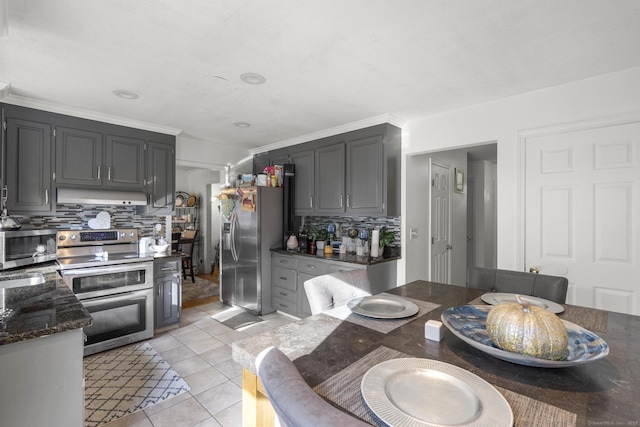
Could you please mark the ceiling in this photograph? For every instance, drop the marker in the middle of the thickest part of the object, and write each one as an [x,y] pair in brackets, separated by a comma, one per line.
[326,63]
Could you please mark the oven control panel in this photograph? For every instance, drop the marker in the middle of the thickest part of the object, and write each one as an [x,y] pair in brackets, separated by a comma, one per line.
[67,238]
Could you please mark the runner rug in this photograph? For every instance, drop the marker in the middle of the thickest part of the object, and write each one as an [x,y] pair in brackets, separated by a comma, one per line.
[124,380]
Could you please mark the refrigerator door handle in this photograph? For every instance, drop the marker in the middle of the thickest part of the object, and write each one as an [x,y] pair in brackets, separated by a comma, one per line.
[234,221]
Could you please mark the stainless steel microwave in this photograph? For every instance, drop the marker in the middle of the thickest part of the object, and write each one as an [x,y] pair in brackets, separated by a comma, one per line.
[25,247]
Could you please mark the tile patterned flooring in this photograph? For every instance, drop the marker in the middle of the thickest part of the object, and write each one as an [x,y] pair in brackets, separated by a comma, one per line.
[200,351]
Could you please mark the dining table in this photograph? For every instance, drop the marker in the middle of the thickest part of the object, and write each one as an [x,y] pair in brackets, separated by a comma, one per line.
[335,349]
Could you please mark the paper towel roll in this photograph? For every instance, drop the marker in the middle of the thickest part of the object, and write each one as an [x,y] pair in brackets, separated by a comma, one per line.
[375,240]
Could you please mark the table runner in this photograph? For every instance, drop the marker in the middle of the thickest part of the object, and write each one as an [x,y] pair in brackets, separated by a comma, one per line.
[381,325]
[343,389]
[589,318]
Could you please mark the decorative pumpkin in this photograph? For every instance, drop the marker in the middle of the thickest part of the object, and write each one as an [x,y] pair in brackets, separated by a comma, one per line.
[527,329]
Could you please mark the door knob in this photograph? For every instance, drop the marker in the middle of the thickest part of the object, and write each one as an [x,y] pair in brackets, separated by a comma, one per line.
[534,270]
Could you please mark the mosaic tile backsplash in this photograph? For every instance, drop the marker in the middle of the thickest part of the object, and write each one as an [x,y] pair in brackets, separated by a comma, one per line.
[345,223]
[78,216]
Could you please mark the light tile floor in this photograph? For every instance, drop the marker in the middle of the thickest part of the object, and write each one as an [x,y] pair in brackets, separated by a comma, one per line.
[200,351]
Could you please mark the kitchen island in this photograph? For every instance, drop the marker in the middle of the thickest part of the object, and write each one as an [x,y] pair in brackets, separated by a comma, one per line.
[41,355]
[329,350]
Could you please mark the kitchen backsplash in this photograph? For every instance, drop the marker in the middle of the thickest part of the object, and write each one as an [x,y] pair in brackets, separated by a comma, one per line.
[78,216]
[345,223]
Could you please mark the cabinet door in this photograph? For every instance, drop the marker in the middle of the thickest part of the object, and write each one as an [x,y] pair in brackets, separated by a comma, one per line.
[167,300]
[79,157]
[365,175]
[304,309]
[330,179]
[161,183]
[259,162]
[124,162]
[28,177]
[304,182]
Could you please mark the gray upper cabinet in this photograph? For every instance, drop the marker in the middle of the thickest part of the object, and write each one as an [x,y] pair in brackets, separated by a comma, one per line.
[330,179]
[161,171]
[79,157]
[365,191]
[304,181]
[28,172]
[89,158]
[124,162]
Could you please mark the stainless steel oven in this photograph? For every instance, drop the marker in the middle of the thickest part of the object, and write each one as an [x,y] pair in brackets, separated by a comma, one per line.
[113,282]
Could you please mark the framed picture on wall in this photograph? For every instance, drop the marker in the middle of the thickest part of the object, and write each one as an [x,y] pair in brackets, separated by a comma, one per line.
[459,188]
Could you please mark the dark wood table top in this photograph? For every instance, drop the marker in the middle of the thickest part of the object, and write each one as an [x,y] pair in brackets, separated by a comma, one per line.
[599,392]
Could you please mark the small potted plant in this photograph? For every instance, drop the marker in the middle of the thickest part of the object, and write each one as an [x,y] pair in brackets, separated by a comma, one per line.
[387,238]
[319,235]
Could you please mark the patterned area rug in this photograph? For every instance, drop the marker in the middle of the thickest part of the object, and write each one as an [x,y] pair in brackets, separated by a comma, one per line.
[125,380]
[202,288]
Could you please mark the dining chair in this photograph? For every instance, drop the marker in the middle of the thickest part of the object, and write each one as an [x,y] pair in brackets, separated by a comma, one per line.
[293,400]
[334,290]
[186,244]
[175,241]
[552,288]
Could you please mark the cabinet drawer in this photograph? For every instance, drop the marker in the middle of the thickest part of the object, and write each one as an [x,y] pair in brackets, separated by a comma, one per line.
[166,266]
[287,307]
[312,266]
[284,278]
[284,294]
[284,261]
[337,267]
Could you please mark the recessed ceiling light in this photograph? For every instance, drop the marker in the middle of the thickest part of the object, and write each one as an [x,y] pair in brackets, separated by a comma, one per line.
[242,124]
[252,78]
[125,94]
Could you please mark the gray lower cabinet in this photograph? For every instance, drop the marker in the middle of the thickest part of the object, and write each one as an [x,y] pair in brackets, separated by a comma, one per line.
[28,172]
[167,279]
[289,272]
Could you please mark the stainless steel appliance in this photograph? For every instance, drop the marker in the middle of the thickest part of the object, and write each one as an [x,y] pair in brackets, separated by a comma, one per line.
[113,281]
[251,225]
[19,248]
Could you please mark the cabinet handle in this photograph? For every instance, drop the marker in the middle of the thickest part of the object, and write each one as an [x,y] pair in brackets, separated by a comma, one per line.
[283,294]
[311,266]
[310,201]
[46,196]
[98,171]
[284,261]
[283,278]
[348,203]
[108,173]
[341,197]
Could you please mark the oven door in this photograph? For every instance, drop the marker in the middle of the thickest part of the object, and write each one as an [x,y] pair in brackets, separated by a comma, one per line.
[94,282]
[118,320]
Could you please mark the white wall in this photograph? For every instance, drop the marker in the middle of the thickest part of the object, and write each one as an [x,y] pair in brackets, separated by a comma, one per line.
[609,95]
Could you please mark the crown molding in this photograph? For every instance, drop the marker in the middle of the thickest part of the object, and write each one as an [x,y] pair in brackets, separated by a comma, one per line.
[52,107]
[360,124]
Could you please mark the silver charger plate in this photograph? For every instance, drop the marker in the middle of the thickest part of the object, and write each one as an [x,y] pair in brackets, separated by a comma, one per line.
[382,307]
[469,323]
[495,298]
[429,393]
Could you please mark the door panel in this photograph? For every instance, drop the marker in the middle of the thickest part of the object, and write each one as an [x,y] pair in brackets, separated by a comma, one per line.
[582,213]
[440,218]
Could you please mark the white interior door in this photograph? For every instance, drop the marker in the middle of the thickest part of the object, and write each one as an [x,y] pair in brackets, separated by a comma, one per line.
[440,220]
[582,213]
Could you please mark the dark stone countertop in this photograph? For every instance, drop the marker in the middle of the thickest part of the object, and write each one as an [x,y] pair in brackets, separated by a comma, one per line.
[41,310]
[353,259]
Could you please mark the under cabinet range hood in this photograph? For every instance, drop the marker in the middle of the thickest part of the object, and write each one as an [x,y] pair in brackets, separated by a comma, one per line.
[101,197]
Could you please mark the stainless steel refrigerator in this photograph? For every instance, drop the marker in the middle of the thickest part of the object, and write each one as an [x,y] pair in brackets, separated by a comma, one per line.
[251,224]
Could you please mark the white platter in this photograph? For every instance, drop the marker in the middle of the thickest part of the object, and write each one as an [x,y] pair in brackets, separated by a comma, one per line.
[382,307]
[429,393]
[495,298]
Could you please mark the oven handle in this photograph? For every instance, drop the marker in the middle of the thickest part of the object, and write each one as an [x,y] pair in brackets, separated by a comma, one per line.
[95,271]
[133,295]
